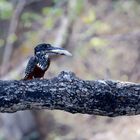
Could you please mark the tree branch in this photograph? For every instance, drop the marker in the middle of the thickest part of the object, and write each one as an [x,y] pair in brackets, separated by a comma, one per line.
[69,93]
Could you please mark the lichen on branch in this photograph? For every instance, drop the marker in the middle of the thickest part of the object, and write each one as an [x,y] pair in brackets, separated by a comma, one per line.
[70,93]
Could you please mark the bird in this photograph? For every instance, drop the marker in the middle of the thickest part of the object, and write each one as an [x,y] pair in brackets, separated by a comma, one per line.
[39,63]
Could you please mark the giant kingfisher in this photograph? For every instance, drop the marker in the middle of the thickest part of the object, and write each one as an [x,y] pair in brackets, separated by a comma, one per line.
[40,62]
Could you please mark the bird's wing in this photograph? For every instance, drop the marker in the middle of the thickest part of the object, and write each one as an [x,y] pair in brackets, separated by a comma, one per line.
[30,66]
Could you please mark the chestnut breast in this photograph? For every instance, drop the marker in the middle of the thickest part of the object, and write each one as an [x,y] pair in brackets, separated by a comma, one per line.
[38,72]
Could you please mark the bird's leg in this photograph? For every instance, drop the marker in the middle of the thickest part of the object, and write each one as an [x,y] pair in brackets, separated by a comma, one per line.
[42,78]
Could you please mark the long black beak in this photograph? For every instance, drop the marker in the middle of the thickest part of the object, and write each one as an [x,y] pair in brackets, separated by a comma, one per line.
[60,51]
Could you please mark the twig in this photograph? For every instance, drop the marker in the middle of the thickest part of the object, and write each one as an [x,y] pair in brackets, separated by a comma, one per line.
[12,31]
[65,30]
[69,93]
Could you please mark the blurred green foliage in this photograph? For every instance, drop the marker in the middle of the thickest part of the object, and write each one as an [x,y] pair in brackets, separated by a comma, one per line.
[128,6]
[79,6]
[56,1]
[50,12]
[12,38]
[90,17]
[98,43]
[6,9]
[29,17]
[1,42]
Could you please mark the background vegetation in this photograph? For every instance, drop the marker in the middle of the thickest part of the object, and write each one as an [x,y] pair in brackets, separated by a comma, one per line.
[104,38]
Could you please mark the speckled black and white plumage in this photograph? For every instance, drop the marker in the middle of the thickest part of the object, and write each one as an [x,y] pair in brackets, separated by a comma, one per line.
[36,67]
[30,66]
[40,62]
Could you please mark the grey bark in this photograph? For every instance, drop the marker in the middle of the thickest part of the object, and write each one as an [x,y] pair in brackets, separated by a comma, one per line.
[69,93]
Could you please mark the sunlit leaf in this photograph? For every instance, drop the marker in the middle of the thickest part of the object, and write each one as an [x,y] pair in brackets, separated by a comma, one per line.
[1,42]
[98,42]
[101,27]
[12,38]
[48,23]
[90,17]
[46,10]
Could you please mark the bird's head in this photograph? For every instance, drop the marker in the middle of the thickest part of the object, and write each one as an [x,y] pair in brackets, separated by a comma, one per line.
[47,49]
